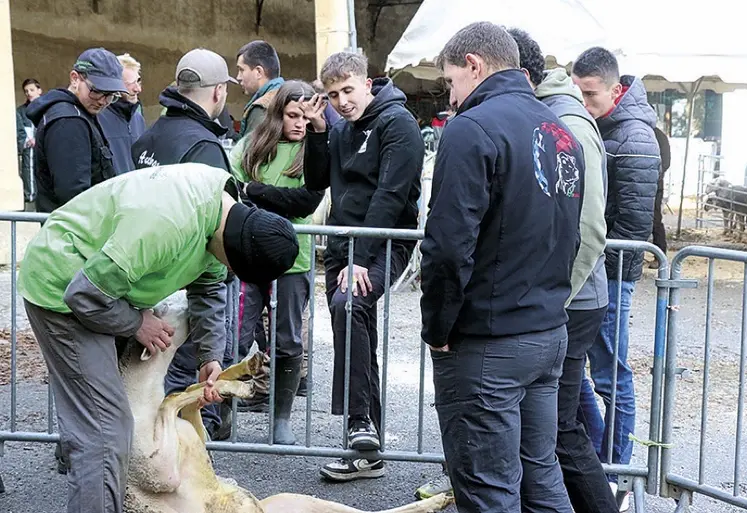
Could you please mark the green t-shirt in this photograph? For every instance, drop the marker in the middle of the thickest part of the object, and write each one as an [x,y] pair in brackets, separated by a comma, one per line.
[141,236]
[272,174]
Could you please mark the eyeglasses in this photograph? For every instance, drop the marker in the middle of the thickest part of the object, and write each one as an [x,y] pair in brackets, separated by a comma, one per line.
[97,95]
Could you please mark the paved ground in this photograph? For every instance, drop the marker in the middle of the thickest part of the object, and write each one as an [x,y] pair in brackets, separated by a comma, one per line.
[33,485]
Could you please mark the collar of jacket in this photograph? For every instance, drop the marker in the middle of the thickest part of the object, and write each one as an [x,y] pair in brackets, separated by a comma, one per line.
[501,82]
[275,83]
[178,105]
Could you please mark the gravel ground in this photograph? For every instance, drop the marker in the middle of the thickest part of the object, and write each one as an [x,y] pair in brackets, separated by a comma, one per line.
[33,485]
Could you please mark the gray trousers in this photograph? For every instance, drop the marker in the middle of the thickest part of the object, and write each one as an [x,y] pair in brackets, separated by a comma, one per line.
[94,417]
[497,404]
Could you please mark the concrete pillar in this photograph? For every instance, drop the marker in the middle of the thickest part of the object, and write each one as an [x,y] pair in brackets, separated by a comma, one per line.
[11,188]
[332,29]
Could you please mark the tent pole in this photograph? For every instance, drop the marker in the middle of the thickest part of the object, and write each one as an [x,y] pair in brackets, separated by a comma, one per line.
[690,109]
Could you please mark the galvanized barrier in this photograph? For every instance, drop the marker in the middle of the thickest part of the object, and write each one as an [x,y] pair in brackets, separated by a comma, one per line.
[651,478]
[673,484]
[639,479]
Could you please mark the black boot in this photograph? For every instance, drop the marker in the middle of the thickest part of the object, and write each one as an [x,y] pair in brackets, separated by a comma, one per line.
[287,376]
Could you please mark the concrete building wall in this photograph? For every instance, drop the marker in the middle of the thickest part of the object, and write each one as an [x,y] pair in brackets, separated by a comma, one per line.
[48,35]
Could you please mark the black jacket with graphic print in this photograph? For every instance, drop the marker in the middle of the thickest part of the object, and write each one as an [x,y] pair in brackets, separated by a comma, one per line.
[503,223]
[373,167]
[633,163]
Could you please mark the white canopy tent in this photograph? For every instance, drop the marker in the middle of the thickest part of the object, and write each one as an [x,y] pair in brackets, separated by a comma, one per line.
[565,28]
[671,44]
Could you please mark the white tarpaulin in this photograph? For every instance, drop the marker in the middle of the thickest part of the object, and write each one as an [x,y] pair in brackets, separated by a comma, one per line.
[669,38]
[563,28]
[679,41]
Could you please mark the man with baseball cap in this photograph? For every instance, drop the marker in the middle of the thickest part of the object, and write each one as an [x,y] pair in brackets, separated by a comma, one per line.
[93,273]
[71,153]
[189,131]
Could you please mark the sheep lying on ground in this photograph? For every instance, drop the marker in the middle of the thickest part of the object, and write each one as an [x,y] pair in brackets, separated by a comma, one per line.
[170,469]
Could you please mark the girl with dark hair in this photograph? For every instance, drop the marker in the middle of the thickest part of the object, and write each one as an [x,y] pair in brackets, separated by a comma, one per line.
[270,162]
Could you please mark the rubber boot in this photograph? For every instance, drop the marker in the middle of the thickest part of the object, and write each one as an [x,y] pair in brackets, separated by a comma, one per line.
[287,376]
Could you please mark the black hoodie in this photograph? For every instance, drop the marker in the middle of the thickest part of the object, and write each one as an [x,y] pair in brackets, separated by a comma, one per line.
[373,166]
[71,153]
[184,134]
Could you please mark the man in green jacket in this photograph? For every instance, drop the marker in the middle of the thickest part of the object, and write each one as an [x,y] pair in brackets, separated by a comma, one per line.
[99,265]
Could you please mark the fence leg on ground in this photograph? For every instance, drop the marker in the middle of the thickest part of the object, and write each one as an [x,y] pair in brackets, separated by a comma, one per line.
[639,495]
[683,503]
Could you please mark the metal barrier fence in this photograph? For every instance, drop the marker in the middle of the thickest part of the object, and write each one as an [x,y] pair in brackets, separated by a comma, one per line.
[654,477]
[673,484]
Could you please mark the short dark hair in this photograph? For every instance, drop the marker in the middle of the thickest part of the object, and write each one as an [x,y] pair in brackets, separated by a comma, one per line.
[30,81]
[261,53]
[488,40]
[530,55]
[597,62]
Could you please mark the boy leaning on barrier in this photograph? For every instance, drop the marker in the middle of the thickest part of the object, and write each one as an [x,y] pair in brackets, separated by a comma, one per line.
[92,275]
[372,161]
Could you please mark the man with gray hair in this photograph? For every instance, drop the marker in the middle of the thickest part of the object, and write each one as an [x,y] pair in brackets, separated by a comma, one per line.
[499,246]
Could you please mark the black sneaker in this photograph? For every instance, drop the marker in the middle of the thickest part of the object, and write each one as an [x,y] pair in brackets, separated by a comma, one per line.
[350,470]
[362,435]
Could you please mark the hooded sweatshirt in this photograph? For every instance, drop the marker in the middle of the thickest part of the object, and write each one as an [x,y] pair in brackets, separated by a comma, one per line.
[373,166]
[588,279]
[185,134]
[71,153]
[633,162]
[123,124]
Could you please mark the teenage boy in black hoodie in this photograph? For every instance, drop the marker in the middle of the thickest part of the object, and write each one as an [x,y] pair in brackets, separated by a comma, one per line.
[372,160]
[499,245]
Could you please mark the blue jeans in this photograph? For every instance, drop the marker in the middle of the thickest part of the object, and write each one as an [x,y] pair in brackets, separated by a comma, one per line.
[601,361]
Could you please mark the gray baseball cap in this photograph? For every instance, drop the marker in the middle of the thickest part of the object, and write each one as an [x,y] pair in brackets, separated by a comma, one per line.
[202,68]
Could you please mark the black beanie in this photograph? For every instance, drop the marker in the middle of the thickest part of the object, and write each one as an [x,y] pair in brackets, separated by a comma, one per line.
[260,246]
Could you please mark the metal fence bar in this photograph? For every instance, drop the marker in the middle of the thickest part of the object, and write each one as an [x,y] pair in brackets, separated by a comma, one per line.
[13,327]
[234,299]
[348,329]
[310,343]
[706,373]
[612,414]
[657,388]
[385,349]
[273,359]
[50,406]
[740,400]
